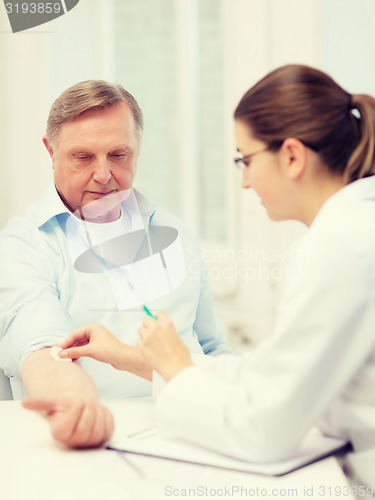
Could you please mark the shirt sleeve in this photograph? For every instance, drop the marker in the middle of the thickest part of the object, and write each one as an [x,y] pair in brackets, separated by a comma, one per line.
[31,316]
[323,335]
[206,326]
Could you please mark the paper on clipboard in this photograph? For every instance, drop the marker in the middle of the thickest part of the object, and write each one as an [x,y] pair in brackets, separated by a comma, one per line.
[314,447]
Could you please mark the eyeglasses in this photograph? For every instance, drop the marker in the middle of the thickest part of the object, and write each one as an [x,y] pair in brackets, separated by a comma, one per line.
[243,162]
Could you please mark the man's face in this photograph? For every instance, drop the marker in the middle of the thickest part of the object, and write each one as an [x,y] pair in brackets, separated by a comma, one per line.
[94,156]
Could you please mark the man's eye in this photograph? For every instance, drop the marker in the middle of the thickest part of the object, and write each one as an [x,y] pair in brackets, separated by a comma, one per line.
[120,157]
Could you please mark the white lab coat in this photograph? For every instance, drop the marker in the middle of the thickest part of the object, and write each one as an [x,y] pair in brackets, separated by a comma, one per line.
[318,366]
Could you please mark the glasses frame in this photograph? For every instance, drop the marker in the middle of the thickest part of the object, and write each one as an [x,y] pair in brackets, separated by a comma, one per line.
[243,162]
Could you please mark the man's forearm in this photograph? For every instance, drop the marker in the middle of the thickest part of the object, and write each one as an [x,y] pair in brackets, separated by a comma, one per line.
[47,378]
[68,399]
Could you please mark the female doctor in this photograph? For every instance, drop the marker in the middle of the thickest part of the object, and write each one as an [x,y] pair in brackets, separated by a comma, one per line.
[308,150]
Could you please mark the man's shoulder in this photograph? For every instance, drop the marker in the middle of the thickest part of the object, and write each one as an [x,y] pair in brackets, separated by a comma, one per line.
[23,225]
[20,241]
[18,225]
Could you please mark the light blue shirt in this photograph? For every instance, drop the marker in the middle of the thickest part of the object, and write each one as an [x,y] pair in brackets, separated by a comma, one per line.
[43,297]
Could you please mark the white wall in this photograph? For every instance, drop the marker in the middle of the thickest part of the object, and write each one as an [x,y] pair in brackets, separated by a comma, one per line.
[334,35]
[348,43]
[22,89]
[264,35]
[36,65]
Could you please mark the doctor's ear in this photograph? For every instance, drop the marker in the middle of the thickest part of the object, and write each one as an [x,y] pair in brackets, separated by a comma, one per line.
[294,157]
[48,146]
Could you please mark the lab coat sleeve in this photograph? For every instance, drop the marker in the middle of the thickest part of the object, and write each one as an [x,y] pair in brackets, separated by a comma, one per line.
[226,367]
[323,334]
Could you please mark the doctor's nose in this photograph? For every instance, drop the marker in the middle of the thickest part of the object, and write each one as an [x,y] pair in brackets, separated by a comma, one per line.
[102,172]
[245,181]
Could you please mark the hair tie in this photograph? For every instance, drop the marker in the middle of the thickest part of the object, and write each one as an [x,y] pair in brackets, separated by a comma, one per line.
[353,108]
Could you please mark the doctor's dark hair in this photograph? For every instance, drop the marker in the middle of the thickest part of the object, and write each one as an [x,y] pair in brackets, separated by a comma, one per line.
[89,95]
[305,103]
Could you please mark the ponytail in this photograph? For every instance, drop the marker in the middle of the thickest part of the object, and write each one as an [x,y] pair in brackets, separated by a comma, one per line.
[362,161]
[305,103]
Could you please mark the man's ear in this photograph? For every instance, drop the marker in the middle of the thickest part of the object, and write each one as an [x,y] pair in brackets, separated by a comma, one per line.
[294,154]
[48,147]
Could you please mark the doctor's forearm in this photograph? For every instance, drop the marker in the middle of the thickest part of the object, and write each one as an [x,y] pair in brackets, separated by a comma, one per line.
[47,378]
[131,360]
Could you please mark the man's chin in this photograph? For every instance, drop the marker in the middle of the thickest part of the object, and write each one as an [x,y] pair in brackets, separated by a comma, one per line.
[102,207]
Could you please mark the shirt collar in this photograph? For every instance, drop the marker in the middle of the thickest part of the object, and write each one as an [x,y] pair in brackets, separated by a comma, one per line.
[51,205]
[146,207]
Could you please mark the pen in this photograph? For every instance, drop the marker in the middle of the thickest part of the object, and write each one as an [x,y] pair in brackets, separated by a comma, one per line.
[148,312]
[143,432]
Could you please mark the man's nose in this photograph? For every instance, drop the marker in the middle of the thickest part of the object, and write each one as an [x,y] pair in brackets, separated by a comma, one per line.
[102,172]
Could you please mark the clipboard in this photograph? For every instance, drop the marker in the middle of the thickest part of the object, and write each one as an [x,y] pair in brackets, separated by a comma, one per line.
[314,447]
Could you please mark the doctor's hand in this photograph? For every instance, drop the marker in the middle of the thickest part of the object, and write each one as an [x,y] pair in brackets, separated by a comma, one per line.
[94,341]
[162,347]
[75,421]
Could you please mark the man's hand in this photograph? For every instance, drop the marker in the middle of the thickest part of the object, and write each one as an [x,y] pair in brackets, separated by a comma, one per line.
[74,421]
[162,347]
[68,398]
[95,341]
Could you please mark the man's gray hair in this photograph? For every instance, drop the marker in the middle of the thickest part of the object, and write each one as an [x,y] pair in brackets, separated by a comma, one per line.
[89,95]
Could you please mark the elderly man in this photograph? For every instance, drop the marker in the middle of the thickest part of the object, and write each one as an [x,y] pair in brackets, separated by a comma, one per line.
[72,260]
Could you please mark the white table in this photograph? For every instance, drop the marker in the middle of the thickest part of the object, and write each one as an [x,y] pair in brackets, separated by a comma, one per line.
[34,466]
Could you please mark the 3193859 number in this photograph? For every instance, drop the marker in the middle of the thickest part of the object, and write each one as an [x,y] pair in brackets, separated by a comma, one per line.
[33,8]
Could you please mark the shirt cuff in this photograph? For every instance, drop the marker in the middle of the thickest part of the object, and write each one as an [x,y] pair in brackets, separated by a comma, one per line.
[50,340]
